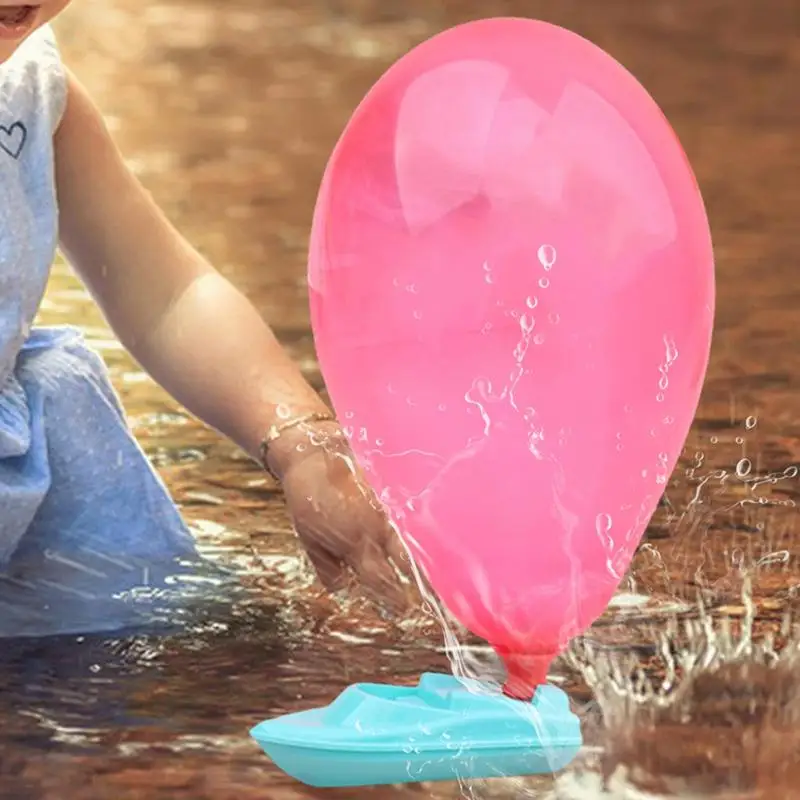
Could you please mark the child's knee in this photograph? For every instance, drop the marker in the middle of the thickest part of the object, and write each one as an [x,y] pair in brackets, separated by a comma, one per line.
[69,375]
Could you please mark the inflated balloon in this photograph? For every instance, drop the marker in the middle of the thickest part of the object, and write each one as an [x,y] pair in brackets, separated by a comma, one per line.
[512,297]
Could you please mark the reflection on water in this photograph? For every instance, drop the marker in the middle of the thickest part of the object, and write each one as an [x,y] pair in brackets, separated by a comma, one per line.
[228,114]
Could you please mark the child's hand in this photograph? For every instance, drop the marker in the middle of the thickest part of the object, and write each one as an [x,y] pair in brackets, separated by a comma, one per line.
[337,517]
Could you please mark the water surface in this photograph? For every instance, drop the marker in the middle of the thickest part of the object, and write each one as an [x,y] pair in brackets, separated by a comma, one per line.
[228,112]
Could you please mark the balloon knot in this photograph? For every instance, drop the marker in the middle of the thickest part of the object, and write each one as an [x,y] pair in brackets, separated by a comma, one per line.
[525,672]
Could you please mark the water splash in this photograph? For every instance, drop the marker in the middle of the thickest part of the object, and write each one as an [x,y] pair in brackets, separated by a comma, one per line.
[734,689]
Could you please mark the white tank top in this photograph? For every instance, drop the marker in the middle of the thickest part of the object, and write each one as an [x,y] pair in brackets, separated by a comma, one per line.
[32,101]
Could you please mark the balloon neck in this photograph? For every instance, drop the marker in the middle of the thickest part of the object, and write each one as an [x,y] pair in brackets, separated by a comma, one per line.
[524,673]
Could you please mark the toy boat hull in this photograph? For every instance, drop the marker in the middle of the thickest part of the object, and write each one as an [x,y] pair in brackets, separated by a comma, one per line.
[330,769]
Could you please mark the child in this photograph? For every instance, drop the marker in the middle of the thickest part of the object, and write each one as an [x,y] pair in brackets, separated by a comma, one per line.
[82,513]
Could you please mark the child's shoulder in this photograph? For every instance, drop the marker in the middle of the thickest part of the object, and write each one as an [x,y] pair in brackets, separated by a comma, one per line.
[38,53]
[33,81]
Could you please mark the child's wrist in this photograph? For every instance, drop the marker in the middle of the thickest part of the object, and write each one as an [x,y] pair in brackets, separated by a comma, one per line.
[289,441]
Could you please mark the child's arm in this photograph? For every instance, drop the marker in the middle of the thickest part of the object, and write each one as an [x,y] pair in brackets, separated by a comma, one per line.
[205,343]
[190,328]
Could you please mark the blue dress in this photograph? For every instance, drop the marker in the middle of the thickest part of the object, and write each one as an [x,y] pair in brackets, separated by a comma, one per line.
[85,522]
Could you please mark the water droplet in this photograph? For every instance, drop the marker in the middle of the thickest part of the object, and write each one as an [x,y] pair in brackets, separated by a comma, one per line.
[526,322]
[412,288]
[544,282]
[442,407]
[554,318]
[417,315]
[660,397]
[790,472]
[750,423]
[668,420]
[486,267]
[283,411]
[739,440]
[603,524]
[538,339]
[379,442]
[531,302]
[486,328]
[301,448]
[671,350]
[663,382]
[547,256]
[714,439]
[744,467]
[488,279]
[349,414]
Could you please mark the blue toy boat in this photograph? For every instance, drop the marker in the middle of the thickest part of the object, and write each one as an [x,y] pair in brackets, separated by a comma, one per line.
[444,728]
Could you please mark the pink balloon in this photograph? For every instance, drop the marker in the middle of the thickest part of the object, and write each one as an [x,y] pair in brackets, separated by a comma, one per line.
[512,295]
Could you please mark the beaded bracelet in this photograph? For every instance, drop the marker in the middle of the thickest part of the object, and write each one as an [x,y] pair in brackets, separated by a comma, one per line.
[277,430]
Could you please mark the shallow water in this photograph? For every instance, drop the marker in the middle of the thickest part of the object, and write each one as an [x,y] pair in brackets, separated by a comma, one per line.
[229,123]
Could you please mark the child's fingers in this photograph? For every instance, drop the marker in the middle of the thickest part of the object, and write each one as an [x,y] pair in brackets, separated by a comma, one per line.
[331,571]
[378,577]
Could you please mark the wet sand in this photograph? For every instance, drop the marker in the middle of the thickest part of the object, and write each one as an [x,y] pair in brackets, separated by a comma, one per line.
[228,117]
